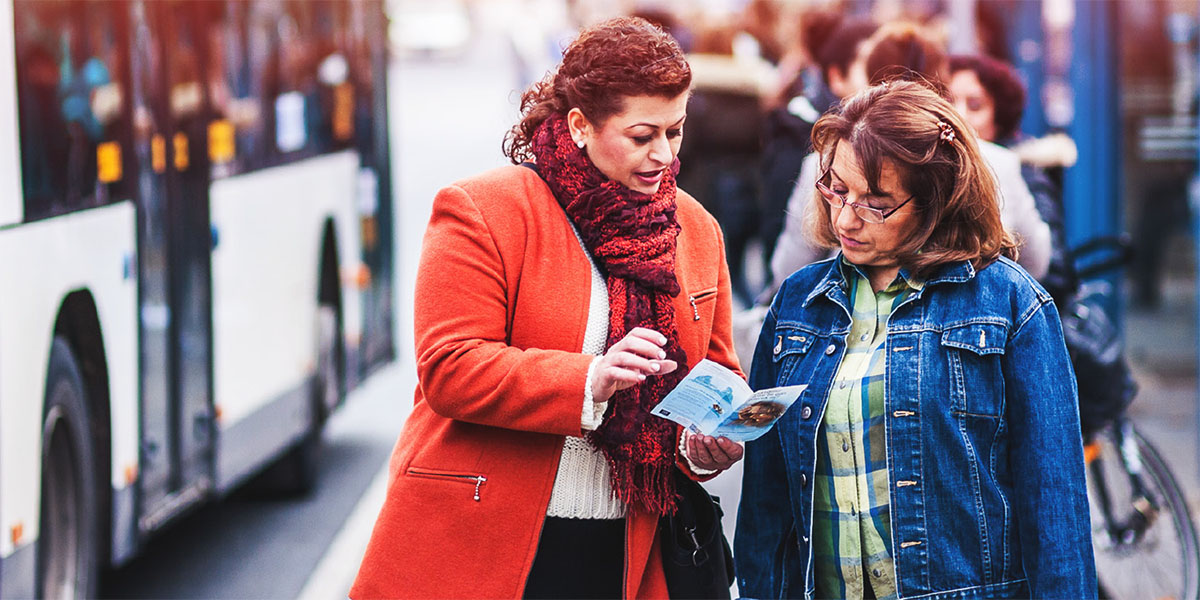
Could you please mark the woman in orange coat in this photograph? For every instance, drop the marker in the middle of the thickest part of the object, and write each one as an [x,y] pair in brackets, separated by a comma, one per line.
[556,303]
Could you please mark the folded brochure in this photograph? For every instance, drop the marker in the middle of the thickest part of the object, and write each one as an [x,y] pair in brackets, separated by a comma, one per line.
[715,401]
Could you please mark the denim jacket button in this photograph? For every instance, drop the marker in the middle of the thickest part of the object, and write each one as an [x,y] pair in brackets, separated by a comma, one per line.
[778,344]
[805,412]
[803,480]
[830,349]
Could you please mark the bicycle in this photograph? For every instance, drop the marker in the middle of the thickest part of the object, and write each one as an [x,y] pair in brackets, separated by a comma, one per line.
[1142,533]
[1143,536]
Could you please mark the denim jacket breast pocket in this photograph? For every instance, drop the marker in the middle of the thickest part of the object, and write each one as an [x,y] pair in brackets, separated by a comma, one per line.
[974,352]
[791,348]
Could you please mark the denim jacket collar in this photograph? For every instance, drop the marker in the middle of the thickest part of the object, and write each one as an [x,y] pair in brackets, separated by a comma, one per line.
[833,283]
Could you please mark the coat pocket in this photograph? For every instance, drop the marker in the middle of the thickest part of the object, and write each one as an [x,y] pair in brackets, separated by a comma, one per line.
[702,302]
[467,479]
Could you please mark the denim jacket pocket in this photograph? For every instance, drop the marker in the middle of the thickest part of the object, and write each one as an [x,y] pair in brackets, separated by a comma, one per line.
[973,352]
[791,345]
[980,338]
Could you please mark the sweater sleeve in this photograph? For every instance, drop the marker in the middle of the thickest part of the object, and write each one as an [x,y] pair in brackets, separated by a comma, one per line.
[466,369]
[1018,210]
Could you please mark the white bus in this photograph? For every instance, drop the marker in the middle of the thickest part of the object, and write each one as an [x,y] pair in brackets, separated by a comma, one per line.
[195,260]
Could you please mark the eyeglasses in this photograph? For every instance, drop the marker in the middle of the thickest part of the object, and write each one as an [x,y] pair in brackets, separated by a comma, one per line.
[866,213]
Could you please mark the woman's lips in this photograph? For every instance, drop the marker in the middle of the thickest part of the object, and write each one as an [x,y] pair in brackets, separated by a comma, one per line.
[850,242]
[650,177]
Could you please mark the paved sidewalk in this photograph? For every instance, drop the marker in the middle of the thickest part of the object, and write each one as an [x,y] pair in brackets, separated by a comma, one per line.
[1162,349]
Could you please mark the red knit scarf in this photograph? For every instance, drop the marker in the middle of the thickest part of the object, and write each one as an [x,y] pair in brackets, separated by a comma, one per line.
[632,238]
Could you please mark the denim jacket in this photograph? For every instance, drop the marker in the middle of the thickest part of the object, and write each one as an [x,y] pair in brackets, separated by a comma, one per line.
[985,459]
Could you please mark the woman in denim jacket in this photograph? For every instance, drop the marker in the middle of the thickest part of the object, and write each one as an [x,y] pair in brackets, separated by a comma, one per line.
[936,450]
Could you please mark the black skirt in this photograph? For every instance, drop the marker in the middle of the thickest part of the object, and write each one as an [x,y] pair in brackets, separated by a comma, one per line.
[578,558]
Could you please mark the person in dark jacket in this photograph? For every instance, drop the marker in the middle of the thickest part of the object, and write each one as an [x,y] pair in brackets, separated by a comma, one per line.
[788,125]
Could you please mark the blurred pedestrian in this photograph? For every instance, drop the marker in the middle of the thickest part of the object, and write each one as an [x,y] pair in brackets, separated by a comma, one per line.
[723,147]
[832,43]
[555,305]
[991,98]
[936,451]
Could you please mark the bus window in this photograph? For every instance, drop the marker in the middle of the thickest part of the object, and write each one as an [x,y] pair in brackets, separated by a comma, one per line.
[73,129]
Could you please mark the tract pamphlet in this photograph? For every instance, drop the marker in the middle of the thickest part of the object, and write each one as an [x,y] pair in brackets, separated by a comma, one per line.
[715,401]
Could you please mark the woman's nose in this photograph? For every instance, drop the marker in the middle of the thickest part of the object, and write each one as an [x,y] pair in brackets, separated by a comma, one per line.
[846,218]
[660,150]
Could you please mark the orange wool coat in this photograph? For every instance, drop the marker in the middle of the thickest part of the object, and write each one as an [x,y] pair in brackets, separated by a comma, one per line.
[502,300]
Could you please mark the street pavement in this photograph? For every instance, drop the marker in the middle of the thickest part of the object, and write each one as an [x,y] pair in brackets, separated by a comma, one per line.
[1162,350]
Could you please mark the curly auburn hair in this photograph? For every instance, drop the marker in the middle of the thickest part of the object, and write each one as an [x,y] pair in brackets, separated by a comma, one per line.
[953,188]
[608,62]
[1000,80]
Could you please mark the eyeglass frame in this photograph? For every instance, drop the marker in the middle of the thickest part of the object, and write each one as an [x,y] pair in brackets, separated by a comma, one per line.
[830,195]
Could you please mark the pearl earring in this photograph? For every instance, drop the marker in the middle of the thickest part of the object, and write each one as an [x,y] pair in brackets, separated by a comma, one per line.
[579,143]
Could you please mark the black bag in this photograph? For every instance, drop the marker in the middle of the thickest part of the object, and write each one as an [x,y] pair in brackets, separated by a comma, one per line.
[1105,385]
[697,560]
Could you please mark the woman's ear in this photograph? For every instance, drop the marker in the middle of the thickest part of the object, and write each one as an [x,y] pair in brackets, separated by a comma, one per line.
[579,127]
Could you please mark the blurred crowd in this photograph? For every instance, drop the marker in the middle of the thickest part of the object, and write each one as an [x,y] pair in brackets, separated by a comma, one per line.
[765,71]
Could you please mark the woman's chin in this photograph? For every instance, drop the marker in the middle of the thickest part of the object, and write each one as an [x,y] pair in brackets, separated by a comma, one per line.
[643,188]
[853,254]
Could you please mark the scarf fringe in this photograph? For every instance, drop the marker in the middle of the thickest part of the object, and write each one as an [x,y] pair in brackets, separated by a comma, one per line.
[650,487]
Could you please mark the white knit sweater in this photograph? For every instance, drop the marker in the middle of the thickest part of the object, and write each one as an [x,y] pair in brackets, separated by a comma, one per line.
[583,486]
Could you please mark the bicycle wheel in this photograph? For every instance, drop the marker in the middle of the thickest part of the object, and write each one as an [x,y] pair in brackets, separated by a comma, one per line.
[1143,549]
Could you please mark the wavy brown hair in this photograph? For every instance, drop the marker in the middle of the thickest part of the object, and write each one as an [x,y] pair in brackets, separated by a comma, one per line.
[608,62]
[954,192]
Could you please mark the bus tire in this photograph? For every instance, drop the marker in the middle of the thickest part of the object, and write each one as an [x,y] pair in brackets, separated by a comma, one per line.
[67,543]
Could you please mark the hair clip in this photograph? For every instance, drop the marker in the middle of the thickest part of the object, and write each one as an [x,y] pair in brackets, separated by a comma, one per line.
[947,134]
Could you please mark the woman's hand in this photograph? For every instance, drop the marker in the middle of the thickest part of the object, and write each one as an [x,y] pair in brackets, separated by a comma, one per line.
[638,355]
[712,453]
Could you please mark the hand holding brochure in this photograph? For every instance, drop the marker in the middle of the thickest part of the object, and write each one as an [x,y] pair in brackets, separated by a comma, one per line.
[714,401]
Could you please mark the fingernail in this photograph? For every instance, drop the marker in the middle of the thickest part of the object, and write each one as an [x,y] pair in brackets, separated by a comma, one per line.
[662,339]
[654,367]
[642,377]
[662,354]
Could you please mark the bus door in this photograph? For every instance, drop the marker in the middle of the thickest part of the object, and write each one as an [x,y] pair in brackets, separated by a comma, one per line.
[175,242]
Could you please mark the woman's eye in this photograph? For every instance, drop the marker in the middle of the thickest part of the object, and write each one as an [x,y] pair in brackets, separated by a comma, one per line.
[674,133]
[643,139]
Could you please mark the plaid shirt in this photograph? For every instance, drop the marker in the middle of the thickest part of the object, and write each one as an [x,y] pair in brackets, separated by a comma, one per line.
[852,538]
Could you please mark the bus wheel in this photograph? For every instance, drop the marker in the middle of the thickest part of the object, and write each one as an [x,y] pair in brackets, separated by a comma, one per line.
[67,542]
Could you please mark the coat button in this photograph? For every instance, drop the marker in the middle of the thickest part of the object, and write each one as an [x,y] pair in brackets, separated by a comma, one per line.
[805,412]
[778,344]
[830,350]
[803,480]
